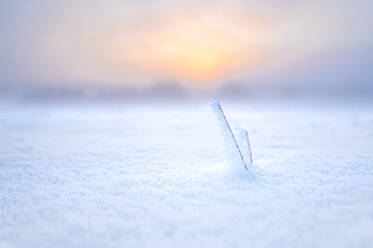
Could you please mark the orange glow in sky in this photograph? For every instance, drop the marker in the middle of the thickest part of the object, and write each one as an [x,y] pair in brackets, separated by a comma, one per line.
[194,51]
[137,45]
[199,49]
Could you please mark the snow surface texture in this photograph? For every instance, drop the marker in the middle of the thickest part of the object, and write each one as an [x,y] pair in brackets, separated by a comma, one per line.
[155,176]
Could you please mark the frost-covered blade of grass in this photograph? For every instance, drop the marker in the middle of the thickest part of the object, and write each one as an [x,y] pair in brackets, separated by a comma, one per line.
[231,147]
[244,144]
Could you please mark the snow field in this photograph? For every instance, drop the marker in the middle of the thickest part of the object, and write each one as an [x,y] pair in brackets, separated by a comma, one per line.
[156,176]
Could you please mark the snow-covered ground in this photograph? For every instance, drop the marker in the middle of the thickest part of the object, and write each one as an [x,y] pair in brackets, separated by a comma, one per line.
[156,176]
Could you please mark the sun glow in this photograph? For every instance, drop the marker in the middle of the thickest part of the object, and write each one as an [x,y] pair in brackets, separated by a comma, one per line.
[188,48]
[202,50]
[198,57]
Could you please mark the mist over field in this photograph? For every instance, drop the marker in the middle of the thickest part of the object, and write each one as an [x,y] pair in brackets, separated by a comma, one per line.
[135,50]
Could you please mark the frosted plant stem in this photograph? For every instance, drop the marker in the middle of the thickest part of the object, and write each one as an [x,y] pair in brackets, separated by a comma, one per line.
[244,144]
[226,128]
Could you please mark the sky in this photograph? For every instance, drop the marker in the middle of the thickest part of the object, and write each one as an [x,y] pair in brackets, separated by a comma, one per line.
[120,48]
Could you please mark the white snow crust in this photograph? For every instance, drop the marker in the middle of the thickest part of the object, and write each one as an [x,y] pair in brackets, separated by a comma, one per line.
[156,176]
